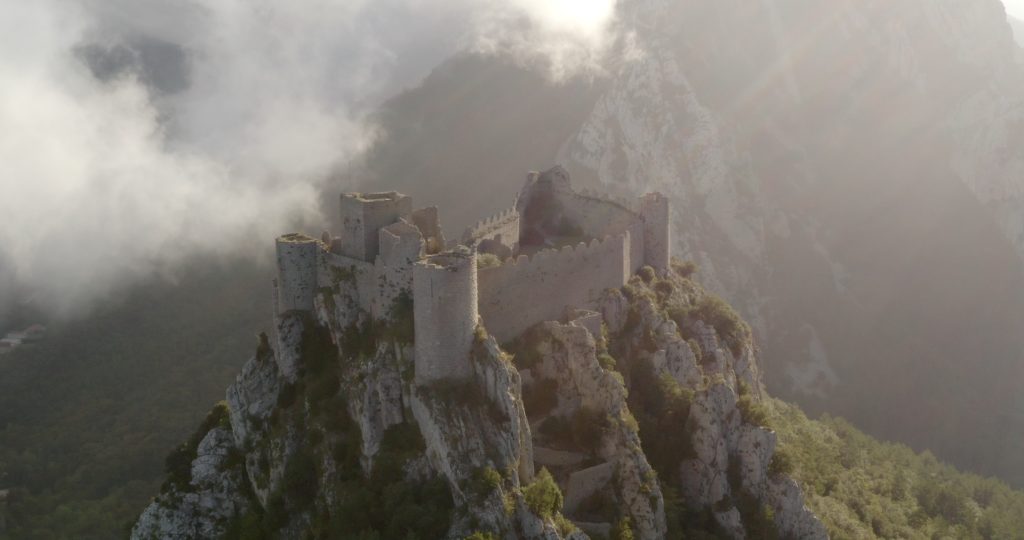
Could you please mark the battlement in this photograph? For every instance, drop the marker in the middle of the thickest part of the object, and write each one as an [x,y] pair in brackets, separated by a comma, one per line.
[386,249]
[501,229]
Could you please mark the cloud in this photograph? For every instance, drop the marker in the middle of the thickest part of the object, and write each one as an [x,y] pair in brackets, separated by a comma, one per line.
[134,133]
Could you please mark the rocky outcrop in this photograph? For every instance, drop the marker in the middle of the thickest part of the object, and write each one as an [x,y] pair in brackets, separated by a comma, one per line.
[568,355]
[216,495]
[324,418]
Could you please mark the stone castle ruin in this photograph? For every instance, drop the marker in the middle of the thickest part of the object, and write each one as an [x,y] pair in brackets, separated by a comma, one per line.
[549,256]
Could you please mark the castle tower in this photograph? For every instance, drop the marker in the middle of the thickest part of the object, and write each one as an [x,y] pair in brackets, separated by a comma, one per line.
[445,312]
[297,261]
[655,212]
[363,215]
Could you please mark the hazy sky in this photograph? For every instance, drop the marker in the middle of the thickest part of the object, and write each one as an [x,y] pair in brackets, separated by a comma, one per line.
[1015,8]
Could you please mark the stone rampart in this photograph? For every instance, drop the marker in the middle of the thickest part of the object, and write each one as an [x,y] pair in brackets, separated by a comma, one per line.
[502,227]
[529,290]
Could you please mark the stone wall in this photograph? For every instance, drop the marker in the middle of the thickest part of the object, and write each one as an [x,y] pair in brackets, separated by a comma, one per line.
[527,291]
[401,245]
[298,257]
[503,227]
[598,216]
[363,215]
[446,315]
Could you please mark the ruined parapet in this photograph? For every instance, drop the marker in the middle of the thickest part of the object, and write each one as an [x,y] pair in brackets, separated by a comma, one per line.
[401,245]
[502,228]
[363,215]
[429,224]
[445,312]
[654,210]
[297,263]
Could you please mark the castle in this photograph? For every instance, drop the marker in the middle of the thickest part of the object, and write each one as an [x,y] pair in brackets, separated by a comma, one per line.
[553,253]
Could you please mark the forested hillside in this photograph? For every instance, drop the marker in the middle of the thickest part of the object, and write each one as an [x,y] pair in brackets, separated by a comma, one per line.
[87,416]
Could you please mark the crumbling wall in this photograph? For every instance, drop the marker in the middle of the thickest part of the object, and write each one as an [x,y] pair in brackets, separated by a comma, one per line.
[363,215]
[527,291]
[428,222]
[401,245]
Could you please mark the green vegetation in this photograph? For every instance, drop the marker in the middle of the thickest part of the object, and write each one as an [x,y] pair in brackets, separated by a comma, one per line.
[486,480]
[88,415]
[487,260]
[683,269]
[543,496]
[861,487]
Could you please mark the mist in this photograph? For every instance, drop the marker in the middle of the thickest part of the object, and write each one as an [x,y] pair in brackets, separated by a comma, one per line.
[137,134]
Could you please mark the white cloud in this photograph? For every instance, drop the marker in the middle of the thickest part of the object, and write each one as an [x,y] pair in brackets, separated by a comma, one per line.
[108,179]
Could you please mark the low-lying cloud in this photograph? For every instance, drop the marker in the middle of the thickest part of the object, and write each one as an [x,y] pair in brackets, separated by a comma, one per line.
[134,133]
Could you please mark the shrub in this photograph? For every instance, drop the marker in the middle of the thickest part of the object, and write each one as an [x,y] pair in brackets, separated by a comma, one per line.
[477,535]
[782,462]
[623,530]
[543,496]
[647,274]
[752,412]
[683,269]
[487,260]
[485,481]
[606,361]
[719,314]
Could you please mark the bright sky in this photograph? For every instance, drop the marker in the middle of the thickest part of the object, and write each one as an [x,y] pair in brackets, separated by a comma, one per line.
[1015,8]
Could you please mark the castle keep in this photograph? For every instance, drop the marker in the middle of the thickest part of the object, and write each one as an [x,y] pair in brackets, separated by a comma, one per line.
[554,252]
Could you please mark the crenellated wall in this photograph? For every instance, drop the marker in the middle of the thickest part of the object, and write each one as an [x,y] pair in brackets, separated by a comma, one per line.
[386,249]
[502,227]
[529,290]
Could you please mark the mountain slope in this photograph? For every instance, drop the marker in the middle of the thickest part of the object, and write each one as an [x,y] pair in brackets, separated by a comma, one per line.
[87,416]
[847,174]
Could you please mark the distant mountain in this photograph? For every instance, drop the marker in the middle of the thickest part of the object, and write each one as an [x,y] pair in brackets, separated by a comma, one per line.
[850,175]
[1018,29]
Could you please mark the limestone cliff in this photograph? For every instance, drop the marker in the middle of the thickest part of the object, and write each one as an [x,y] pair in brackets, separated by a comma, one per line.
[638,420]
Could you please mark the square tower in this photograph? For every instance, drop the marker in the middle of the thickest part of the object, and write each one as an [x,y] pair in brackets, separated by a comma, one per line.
[363,215]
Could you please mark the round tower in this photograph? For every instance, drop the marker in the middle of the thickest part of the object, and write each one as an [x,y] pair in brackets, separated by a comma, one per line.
[445,312]
[296,272]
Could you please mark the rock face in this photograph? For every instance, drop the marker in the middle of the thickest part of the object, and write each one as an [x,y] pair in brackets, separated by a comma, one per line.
[217,494]
[326,430]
